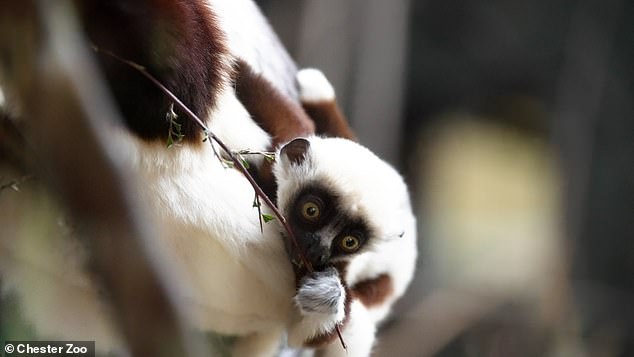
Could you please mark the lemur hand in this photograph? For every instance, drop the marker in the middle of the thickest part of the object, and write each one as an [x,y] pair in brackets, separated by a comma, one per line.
[321,292]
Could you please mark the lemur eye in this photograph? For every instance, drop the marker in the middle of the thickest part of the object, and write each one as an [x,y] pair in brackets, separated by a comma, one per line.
[311,211]
[350,243]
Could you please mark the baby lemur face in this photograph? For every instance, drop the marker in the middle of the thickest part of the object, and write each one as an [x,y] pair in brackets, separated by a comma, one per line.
[339,199]
[327,230]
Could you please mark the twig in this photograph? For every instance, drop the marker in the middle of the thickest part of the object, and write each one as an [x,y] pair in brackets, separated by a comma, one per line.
[268,155]
[256,203]
[237,163]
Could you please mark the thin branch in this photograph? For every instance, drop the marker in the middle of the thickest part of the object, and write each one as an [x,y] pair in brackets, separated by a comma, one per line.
[268,155]
[256,203]
[237,163]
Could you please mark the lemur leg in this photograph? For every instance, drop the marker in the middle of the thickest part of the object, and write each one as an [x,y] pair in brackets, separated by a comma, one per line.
[359,334]
[276,113]
[262,344]
[318,99]
[284,119]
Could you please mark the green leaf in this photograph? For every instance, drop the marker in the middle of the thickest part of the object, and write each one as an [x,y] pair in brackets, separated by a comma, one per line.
[174,134]
[245,163]
[267,217]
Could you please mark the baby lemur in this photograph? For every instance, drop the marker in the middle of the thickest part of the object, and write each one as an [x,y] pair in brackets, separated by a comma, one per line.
[349,210]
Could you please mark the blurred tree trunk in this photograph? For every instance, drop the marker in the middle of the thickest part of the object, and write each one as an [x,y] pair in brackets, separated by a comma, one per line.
[65,106]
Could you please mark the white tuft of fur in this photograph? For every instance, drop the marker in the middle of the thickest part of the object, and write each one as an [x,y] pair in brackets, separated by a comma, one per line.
[322,292]
[314,87]
[321,304]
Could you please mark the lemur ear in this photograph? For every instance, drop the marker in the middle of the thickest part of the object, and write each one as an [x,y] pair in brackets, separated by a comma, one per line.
[295,151]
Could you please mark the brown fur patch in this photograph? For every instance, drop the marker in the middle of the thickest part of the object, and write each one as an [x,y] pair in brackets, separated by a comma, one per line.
[329,120]
[375,291]
[179,42]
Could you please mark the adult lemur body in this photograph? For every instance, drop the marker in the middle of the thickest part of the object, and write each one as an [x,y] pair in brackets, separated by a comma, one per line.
[349,209]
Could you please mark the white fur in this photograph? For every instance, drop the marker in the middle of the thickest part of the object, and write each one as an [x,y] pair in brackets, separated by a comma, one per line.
[309,325]
[314,87]
[251,38]
[359,334]
[357,173]
[212,231]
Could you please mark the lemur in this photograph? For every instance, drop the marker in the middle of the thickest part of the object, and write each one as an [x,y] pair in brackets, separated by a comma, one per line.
[349,209]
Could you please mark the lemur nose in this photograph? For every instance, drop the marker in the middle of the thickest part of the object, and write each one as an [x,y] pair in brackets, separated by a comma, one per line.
[315,252]
[323,259]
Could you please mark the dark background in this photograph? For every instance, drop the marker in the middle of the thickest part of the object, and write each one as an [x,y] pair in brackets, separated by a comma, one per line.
[574,60]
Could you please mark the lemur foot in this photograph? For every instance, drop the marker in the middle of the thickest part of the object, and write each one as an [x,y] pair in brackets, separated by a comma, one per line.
[314,87]
[321,292]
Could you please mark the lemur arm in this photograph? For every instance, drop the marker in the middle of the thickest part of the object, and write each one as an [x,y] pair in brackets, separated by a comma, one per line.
[279,115]
[285,119]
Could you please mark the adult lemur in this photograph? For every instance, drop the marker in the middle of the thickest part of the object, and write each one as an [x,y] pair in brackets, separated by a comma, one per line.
[349,210]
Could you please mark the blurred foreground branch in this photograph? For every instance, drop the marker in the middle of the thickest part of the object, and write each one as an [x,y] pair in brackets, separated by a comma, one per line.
[67,105]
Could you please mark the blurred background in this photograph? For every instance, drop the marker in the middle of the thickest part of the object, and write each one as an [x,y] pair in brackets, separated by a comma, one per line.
[513,122]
